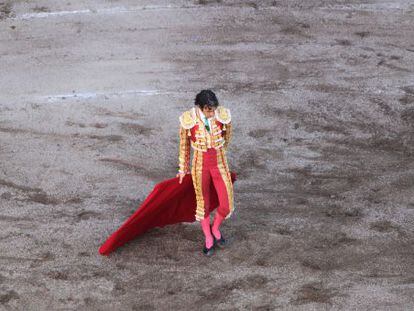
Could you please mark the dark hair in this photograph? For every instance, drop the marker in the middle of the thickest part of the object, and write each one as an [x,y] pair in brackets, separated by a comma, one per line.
[206,98]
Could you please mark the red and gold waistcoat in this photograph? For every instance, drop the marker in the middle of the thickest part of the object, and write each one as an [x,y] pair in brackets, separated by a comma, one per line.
[193,133]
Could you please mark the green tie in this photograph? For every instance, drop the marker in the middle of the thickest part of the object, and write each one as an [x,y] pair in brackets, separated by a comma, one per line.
[206,123]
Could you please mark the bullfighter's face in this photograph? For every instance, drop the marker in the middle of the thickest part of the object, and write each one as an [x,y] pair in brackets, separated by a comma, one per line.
[209,111]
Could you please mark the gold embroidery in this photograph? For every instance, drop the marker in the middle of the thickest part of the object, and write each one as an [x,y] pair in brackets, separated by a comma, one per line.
[228,135]
[218,139]
[213,139]
[196,171]
[223,114]
[184,151]
[187,119]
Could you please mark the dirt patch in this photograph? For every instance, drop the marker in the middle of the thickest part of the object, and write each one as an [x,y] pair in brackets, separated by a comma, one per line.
[23,188]
[121,114]
[85,215]
[155,174]
[383,226]
[9,295]
[341,213]
[362,34]
[6,10]
[99,125]
[205,2]
[57,275]
[109,138]
[224,290]
[40,9]
[407,116]
[42,198]
[338,239]
[136,129]
[259,133]
[314,292]
[408,98]
[296,29]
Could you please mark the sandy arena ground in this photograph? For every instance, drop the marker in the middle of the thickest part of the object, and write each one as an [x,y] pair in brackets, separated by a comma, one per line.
[322,98]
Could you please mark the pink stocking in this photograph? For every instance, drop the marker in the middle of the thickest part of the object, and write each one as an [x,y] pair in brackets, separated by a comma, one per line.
[205,225]
[218,219]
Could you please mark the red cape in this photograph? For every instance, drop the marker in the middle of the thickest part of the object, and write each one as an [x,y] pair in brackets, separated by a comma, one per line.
[168,203]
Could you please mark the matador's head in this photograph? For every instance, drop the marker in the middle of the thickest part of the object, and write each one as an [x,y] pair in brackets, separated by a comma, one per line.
[207,101]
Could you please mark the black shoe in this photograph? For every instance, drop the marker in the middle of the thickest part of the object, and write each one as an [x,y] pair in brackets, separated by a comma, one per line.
[208,251]
[220,242]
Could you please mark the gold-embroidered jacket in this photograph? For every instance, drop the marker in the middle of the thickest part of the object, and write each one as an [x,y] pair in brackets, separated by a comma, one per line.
[193,134]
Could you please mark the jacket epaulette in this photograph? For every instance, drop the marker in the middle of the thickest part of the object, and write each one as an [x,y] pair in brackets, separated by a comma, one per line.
[188,119]
[223,114]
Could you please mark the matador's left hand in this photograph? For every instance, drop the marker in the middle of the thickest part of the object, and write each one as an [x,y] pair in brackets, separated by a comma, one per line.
[181,176]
